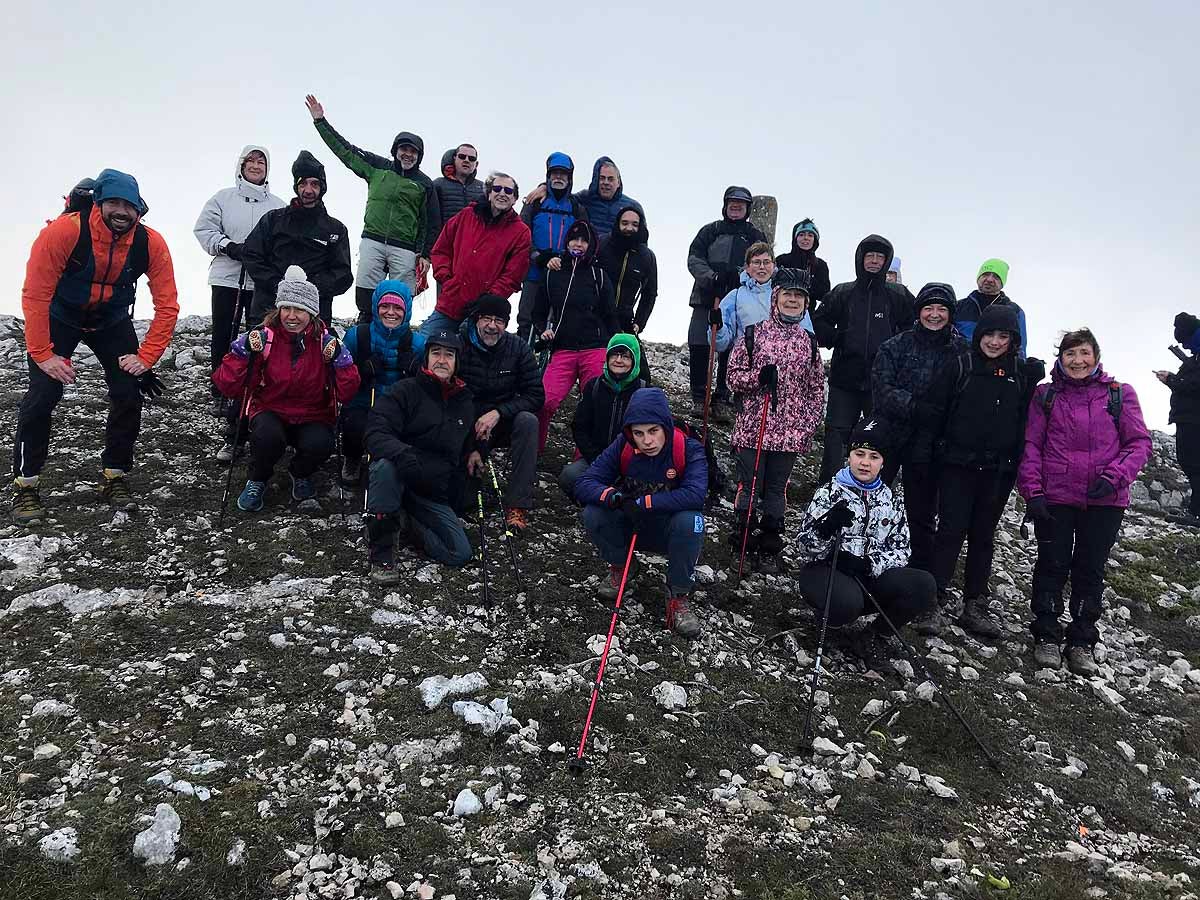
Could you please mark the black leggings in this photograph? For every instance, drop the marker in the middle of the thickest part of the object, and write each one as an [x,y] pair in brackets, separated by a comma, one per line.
[270,437]
[970,505]
[904,594]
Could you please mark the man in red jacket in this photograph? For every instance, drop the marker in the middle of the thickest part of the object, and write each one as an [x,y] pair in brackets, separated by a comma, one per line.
[482,250]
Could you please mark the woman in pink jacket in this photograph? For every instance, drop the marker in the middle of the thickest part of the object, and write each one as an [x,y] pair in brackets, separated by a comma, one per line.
[775,362]
[1085,443]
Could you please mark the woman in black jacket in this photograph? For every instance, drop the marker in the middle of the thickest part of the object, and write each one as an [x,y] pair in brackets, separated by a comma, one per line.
[803,255]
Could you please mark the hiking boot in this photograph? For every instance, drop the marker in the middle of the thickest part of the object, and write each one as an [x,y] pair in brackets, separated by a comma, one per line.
[115,489]
[681,619]
[351,470]
[516,518]
[227,453]
[978,619]
[610,586]
[302,488]
[1081,662]
[769,564]
[720,413]
[875,650]
[251,497]
[27,504]
[931,624]
[1047,655]
[384,573]
[698,409]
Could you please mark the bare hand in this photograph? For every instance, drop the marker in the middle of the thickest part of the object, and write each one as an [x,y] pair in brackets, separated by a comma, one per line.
[422,267]
[59,368]
[485,423]
[315,109]
[131,364]
[538,193]
[555,264]
[1162,375]
[474,464]
[548,334]
[634,329]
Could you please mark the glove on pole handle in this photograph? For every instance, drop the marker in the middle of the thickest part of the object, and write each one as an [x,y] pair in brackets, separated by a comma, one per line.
[576,764]
[762,430]
[920,661]
[237,304]
[708,378]
[812,691]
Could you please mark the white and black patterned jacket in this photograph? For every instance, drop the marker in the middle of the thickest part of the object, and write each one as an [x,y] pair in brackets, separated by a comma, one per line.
[878,533]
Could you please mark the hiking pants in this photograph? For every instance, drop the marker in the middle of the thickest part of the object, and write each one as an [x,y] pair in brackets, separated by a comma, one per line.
[434,524]
[680,535]
[570,474]
[902,593]
[270,437]
[770,490]
[1187,448]
[224,328]
[841,415]
[921,508]
[565,369]
[970,503]
[520,435]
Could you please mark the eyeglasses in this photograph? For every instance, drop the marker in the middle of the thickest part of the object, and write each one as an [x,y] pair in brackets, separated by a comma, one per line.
[621,351]
[493,320]
[503,189]
[762,262]
[465,158]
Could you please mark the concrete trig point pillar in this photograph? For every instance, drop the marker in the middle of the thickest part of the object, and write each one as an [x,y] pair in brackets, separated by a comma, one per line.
[764,212]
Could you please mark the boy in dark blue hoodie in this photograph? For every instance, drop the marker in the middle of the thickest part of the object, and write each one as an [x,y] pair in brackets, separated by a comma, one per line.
[651,481]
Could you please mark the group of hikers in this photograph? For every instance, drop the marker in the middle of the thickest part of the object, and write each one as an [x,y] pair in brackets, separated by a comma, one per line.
[934,389]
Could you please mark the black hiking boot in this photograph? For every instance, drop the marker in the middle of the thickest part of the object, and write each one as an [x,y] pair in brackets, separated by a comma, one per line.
[978,619]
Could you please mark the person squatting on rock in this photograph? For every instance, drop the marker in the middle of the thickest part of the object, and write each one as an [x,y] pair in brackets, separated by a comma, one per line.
[482,250]
[401,220]
[715,259]
[221,228]
[904,368]
[418,434]
[990,281]
[575,316]
[975,424]
[385,350]
[502,375]
[803,255]
[600,414]
[1185,409]
[296,371]
[79,287]
[775,363]
[548,218]
[1085,443]
[855,318]
[457,187]
[857,509]
[303,234]
[651,481]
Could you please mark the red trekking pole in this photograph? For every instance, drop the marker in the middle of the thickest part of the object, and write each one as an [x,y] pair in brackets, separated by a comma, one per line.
[762,430]
[576,763]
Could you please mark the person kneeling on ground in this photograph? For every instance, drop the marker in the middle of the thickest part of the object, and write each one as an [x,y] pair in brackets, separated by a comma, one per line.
[385,349]
[601,409]
[296,371]
[1085,443]
[858,512]
[418,434]
[649,482]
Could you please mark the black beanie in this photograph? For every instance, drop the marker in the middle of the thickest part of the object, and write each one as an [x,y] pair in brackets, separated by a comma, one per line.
[935,292]
[1185,326]
[869,434]
[308,166]
[491,305]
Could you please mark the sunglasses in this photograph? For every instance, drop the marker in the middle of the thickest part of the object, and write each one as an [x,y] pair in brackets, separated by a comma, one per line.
[503,189]
[464,157]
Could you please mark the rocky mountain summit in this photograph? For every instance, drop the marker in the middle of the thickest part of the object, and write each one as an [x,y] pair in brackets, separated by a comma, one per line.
[198,708]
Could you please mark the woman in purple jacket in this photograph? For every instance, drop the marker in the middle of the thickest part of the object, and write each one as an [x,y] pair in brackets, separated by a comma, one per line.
[1085,443]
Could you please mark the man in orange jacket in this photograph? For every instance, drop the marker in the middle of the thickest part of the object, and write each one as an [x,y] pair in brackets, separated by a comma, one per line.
[79,287]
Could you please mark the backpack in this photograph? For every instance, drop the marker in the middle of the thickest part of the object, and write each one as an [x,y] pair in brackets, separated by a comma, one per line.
[683,431]
[137,263]
[1113,406]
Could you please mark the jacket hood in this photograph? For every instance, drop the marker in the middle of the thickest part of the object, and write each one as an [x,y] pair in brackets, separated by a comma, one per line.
[393,286]
[594,186]
[241,160]
[872,242]
[806,225]
[643,234]
[630,343]
[560,160]
[936,292]
[407,137]
[648,405]
[447,169]
[736,192]
[998,317]
[580,228]
[114,185]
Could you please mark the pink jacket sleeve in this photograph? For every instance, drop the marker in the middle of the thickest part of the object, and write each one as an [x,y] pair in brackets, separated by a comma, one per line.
[1029,474]
[1136,445]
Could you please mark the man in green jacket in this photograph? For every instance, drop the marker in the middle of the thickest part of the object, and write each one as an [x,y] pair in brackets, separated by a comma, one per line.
[402,218]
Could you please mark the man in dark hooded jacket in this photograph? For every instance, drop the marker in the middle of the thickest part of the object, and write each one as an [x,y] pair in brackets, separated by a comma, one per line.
[604,198]
[803,255]
[633,268]
[458,185]
[715,260]
[402,218]
[855,318]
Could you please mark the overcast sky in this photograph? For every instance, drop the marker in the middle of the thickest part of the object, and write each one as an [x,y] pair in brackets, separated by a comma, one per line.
[1060,137]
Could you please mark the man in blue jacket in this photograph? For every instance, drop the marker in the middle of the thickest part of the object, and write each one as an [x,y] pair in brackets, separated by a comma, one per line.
[651,481]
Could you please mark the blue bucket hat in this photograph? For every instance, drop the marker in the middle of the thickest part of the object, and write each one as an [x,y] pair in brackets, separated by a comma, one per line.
[114,185]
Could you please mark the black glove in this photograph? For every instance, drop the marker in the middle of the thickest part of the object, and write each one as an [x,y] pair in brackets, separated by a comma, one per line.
[370,368]
[1101,489]
[632,512]
[835,520]
[768,377]
[1033,369]
[854,566]
[540,344]
[1037,509]
[150,384]
[233,250]
[714,317]
[614,500]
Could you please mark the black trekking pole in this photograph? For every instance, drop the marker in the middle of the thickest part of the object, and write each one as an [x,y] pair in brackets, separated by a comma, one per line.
[575,764]
[367,479]
[508,535]
[337,433]
[920,662]
[483,559]
[236,321]
[812,691]
[243,411]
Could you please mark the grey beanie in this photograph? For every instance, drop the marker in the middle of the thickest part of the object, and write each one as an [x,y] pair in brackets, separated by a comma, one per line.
[297,291]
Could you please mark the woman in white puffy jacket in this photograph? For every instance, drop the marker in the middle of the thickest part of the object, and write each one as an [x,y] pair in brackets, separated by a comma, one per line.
[225,222]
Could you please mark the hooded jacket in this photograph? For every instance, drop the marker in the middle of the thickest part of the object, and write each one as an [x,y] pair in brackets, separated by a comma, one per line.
[717,255]
[306,237]
[878,533]
[904,369]
[603,214]
[1078,442]
[291,380]
[229,216]
[402,207]
[807,260]
[633,269]
[578,299]
[453,195]
[504,378]
[971,307]
[478,253]
[799,401]
[647,476]
[549,218]
[1185,387]
[857,316]
[746,306]
[399,349]
[600,413]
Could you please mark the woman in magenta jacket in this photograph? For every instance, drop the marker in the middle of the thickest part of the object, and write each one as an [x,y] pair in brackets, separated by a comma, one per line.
[1085,443]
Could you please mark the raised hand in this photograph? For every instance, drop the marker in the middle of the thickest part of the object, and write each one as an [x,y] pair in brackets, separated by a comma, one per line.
[315,109]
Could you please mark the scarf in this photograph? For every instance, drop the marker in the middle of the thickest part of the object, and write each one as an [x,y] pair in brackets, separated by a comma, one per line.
[845,478]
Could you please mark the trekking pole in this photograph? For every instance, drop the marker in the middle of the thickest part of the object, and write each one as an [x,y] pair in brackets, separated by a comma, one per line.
[920,661]
[243,411]
[812,691]
[762,430]
[483,560]
[337,433]
[237,304]
[708,380]
[576,764]
[367,480]
[508,535]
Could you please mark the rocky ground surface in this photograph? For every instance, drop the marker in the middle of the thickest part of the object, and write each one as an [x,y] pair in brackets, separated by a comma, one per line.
[192,708]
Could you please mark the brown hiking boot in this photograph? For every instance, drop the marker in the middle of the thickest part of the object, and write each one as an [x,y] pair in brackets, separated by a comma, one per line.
[681,619]
[27,504]
[1081,662]
[115,489]
[1047,655]
[931,624]
[516,518]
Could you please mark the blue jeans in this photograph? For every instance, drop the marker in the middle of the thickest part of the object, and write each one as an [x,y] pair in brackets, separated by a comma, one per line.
[434,524]
[438,322]
[680,535]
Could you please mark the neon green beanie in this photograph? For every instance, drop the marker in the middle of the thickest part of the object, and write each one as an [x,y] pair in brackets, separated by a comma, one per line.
[630,343]
[997,267]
